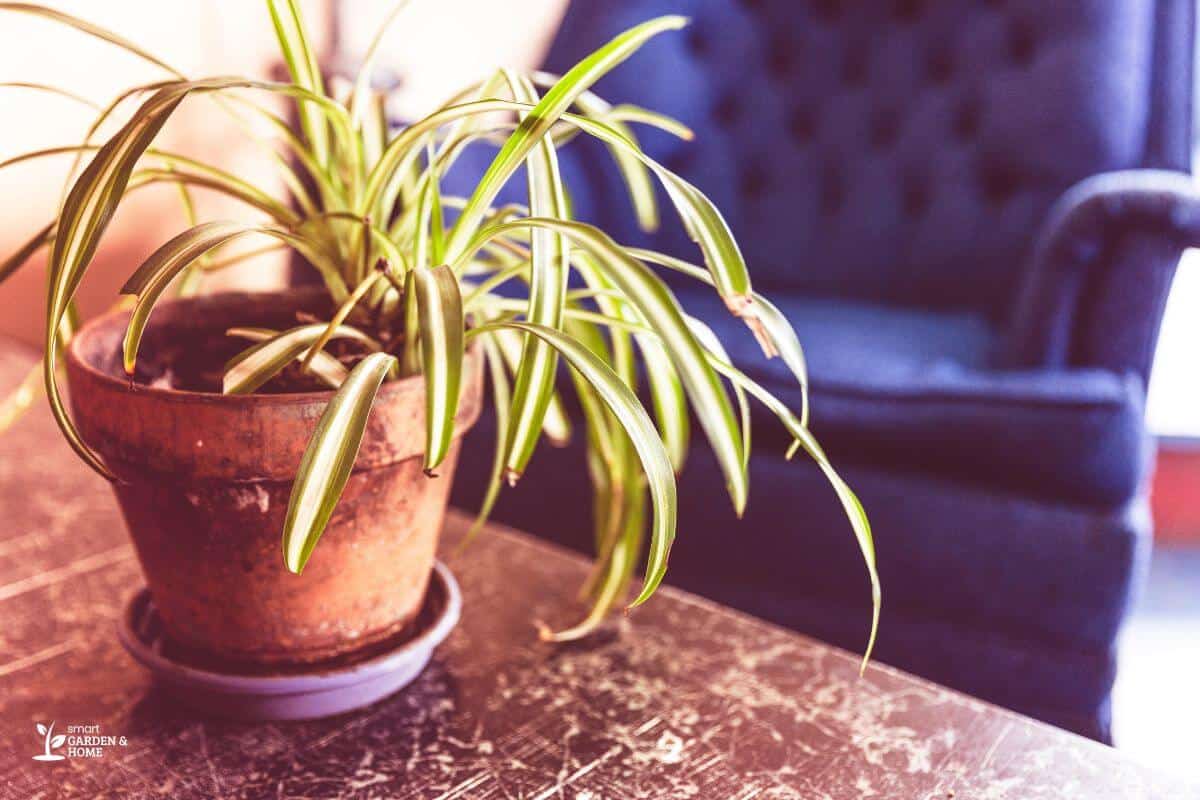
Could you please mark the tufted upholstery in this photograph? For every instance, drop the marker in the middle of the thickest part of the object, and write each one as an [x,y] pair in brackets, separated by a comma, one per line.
[909,148]
[971,210]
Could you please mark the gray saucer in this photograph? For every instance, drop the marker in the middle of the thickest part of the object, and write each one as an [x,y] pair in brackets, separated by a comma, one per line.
[321,692]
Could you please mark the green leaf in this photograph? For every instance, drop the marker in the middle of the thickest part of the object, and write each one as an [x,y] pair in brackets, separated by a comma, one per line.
[324,366]
[542,118]
[617,566]
[429,243]
[701,218]
[88,209]
[633,171]
[501,397]
[439,310]
[182,170]
[341,314]
[557,423]
[776,324]
[42,238]
[329,459]
[549,262]
[659,309]
[628,410]
[302,66]
[713,345]
[155,275]
[853,508]
[253,367]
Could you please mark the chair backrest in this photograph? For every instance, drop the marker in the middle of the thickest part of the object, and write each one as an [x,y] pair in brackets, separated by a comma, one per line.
[898,151]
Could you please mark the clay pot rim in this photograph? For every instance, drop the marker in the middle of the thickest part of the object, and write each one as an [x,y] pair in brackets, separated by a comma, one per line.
[126,385]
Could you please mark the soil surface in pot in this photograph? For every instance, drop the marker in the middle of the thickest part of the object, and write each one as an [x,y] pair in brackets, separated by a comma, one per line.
[193,357]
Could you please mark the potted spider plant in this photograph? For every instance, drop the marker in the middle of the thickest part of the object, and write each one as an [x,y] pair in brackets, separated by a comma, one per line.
[228,421]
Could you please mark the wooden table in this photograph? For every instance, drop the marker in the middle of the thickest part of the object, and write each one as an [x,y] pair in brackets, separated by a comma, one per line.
[684,700]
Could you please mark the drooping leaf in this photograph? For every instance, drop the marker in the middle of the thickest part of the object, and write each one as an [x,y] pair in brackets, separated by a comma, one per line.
[658,308]
[329,459]
[852,506]
[14,262]
[533,384]
[153,277]
[542,118]
[255,366]
[625,406]
[324,366]
[89,207]
[616,567]
[556,425]
[780,330]
[713,345]
[439,310]
[501,397]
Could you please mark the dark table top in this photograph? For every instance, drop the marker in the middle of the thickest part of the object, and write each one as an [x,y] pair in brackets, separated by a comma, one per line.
[683,700]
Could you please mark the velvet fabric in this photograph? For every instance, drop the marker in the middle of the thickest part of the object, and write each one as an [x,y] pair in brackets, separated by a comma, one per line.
[971,212]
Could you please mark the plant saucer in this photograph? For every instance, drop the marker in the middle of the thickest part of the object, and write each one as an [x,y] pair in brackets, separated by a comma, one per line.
[320,690]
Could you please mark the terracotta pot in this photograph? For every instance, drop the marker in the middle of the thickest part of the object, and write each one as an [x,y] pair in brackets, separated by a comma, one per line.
[204,481]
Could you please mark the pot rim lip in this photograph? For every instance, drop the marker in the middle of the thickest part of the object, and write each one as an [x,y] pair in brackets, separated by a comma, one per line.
[128,386]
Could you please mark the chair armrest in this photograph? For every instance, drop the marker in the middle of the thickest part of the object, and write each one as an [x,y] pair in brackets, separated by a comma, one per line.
[1100,270]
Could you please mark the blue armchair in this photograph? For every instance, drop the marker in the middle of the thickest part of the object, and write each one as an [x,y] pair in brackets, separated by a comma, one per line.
[971,212]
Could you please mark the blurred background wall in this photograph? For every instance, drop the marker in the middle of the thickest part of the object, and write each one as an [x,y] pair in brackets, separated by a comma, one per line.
[435,49]
[217,37]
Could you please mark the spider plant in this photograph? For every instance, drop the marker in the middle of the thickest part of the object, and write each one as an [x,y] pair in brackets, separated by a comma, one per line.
[413,275]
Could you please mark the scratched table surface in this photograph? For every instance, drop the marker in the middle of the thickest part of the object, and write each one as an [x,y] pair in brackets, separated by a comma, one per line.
[683,700]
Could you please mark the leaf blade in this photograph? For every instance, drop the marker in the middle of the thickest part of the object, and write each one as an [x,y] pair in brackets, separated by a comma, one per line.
[254,367]
[542,118]
[625,406]
[329,459]
[440,318]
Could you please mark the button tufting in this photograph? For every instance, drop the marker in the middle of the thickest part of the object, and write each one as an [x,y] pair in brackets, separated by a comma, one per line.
[828,10]
[753,180]
[781,55]
[966,120]
[830,187]
[697,40]
[1021,42]
[727,109]
[854,67]
[999,183]
[885,128]
[908,10]
[803,124]
[940,66]
[914,196]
